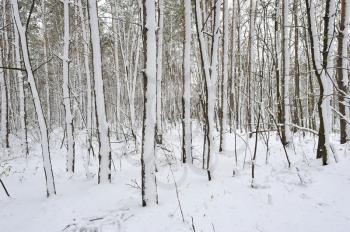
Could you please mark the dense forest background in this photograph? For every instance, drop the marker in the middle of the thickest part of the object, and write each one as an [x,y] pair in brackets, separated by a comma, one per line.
[102,81]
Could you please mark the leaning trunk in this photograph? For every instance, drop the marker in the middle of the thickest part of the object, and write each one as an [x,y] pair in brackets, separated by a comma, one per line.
[50,184]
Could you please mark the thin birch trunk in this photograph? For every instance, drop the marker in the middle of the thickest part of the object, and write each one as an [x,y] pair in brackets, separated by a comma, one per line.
[88,85]
[148,171]
[22,98]
[252,20]
[211,87]
[224,85]
[159,133]
[104,171]
[50,184]
[46,66]
[66,92]
[116,64]
[342,73]
[286,135]
[323,149]
[186,97]
[4,118]
[4,127]
[298,109]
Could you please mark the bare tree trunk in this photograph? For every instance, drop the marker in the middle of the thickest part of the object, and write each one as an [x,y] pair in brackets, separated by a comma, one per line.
[148,171]
[46,66]
[4,137]
[104,171]
[211,86]
[66,92]
[205,70]
[286,133]
[50,184]
[186,97]
[159,136]
[342,73]
[298,109]
[4,107]
[277,68]
[22,97]
[323,149]
[252,20]
[210,76]
[88,84]
[238,67]
[224,86]
[116,64]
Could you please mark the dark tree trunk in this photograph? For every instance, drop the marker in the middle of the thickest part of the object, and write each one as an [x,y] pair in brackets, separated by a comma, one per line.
[340,77]
[321,148]
[298,110]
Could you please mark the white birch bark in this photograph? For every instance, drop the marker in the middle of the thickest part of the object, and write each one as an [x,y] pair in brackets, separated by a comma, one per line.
[345,64]
[66,92]
[22,100]
[50,184]
[132,91]
[116,62]
[46,66]
[88,125]
[325,106]
[210,73]
[286,70]
[148,172]
[224,97]
[3,86]
[104,174]
[130,54]
[159,70]
[251,66]
[186,124]
[211,85]
[202,42]
[329,79]
[7,93]
[3,104]
[87,69]
[234,61]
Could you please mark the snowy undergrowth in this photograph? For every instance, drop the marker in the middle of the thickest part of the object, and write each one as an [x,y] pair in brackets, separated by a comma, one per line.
[305,197]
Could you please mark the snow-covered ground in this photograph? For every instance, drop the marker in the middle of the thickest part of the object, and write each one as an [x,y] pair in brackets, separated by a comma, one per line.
[306,197]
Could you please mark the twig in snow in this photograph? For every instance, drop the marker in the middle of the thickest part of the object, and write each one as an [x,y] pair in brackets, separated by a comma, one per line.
[334,152]
[193,227]
[177,194]
[279,135]
[64,136]
[134,184]
[113,165]
[255,151]
[302,182]
[69,225]
[213,227]
[175,184]
[95,219]
[7,193]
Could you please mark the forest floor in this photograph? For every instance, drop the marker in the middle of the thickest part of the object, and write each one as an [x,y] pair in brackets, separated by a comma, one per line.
[306,197]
